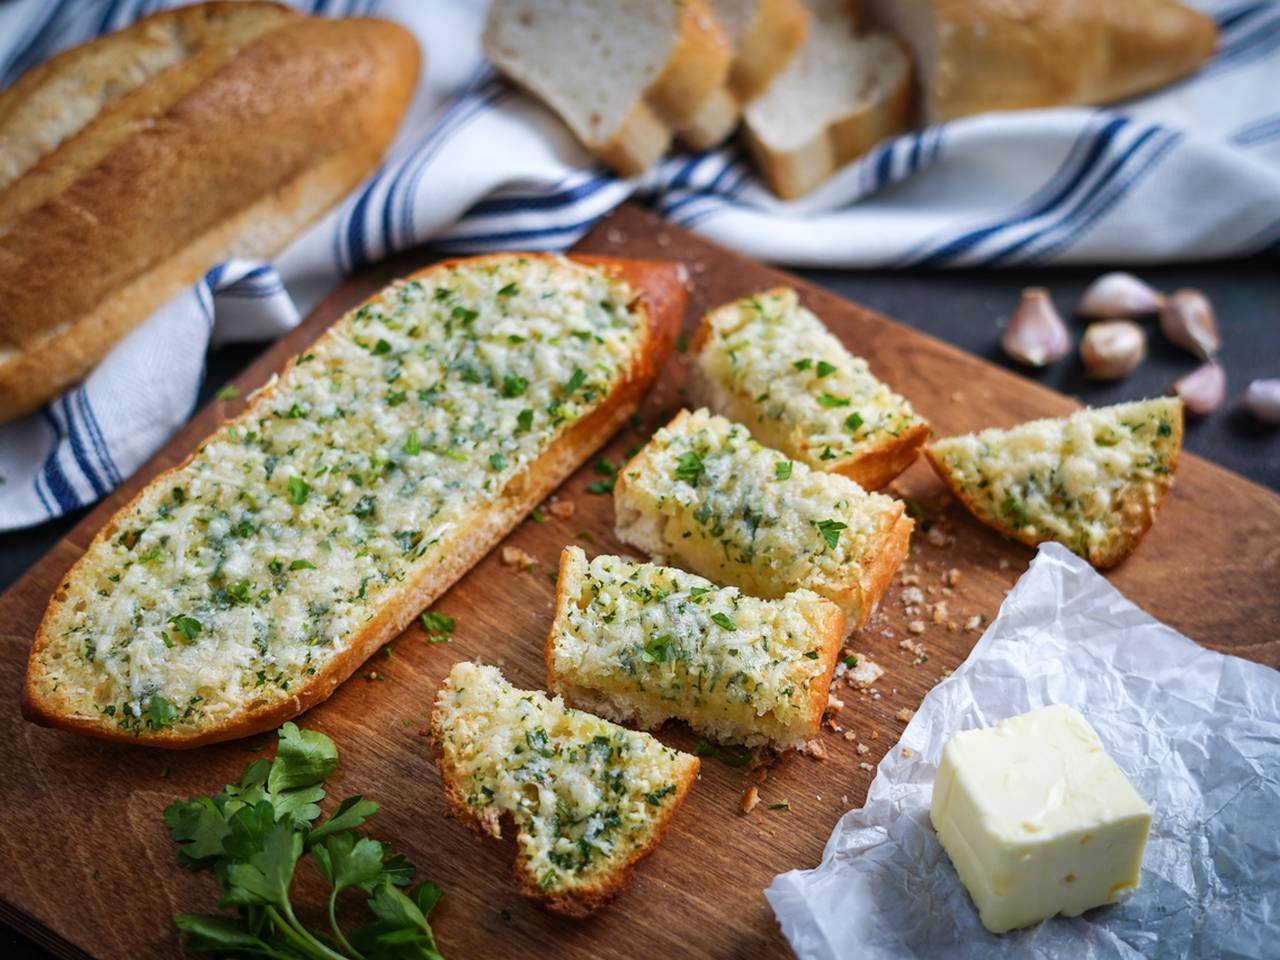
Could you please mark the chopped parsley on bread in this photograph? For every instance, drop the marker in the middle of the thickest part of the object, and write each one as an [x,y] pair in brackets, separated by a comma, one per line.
[704,495]
[768,362]
[588,798]
[244,585]
[642,643]
[1091,481]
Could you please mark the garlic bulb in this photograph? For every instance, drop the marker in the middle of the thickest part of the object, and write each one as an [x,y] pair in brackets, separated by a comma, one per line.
[1036,334]
[1112,349]
[1262,399]
[1116,295]
[1203,389]
[1187,320]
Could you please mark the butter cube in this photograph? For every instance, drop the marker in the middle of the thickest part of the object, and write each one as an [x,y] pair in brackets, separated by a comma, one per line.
[1037,819]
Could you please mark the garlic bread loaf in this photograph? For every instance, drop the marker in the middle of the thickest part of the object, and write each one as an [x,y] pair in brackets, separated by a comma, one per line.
[767,362]
[704,495]
[133,164]
[244,585]
[642,643]
[1091,481]
[589,798]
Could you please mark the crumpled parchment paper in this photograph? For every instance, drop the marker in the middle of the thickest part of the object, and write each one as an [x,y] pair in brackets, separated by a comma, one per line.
[1196,732]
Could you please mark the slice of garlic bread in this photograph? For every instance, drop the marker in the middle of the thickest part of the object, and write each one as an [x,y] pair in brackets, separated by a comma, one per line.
[588,798]
[705,495]
[641,643]
[767,362]
[1091,481]
[244,585]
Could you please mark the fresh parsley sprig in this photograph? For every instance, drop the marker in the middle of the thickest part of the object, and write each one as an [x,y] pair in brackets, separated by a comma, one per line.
[252,836]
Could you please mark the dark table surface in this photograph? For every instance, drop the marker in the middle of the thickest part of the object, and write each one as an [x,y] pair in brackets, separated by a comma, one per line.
[967,308]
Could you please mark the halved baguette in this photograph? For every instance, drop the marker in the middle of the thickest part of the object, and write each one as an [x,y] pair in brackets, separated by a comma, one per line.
[589,799]
[1091,481]
[767,362]
[764,36]
[840,95]
[623,76]
[135,163]
[705,495]
[241,587]
[641,643]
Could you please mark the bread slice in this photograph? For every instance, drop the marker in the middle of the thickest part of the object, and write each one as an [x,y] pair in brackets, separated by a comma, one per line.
[135,174]
[641,643]
[623,76]
[839,96]
[589,798]
[241,587]
[1091,481]
[980,55]
[767,362]
[706,496]
[764,36]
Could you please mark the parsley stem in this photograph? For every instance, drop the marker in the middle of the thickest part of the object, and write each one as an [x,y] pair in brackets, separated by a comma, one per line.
[333,922]
[297,933]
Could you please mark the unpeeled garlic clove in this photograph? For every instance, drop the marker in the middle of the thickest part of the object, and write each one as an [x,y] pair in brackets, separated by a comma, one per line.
[1203,389]
[1187,320]
[1036,334]
[1116,295]
[1262,399]
[1112,349]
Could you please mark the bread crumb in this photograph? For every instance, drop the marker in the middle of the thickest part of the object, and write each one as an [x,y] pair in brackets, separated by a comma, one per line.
[563,509]
[750,799]
[850,736]
[875,734]
[906,752]
[905,715]
[866,766]
[940,612]
[834,703]
[910,580]
[973,623]
[952,577]
[937,536]
[912,596]
[816,749]
[865,672]
[515,557]
[915,626]
[761,774]
[862,749]
[1004,564]
[615,236]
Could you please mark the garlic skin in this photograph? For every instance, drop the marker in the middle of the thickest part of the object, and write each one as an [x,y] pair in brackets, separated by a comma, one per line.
[1112,349]
[1262,399]
[1035,334]
[1188,321]
[1116,295]
[1203,389]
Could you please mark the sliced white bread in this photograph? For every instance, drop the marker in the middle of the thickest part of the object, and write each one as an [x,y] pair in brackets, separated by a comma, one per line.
[979,55]
[769,363]
[623,76]
[241,587]
[764,36]
[840,95]
[588,798]
[705,496]
[1091,481]
[642,643]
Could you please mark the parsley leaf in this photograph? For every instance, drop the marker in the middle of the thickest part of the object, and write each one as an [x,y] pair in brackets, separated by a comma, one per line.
[412,445]
[160,713]
[723,620]
[497,461]
[804,364]
[228,392]
[830,530]
[853,421]
[682,343]
[189,627]
[690,467]
[513,386]
[510,290]
[825,369]
[298,490]
[782,470]
[524,421]
[380,348]
[828,401]
[657,649]
[439,626]
[575,381]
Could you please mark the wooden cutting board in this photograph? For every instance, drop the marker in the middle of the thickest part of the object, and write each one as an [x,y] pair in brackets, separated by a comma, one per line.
[87,868]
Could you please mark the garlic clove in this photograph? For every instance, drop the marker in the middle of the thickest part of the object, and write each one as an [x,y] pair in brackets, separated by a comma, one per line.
[1036,334]
[1112,349]
[1187,320]
[1262,399]
[1203,389]
[1116,295]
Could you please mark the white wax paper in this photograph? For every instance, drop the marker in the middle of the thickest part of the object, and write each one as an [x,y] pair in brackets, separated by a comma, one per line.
[1196,732]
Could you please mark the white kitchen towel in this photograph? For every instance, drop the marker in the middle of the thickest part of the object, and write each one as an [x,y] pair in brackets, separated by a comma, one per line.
[1191,172]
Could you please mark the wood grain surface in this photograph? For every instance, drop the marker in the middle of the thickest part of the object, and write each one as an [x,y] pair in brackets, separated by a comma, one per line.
[86,867]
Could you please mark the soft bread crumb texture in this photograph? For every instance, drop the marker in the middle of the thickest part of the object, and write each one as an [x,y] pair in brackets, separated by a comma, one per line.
[588,797]
[643,643]
[1091,481]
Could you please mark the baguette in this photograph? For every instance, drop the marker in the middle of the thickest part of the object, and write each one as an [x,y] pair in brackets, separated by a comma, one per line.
[622,76]
[1091,481]
[128,171]
[703,494]
[241,587]
[767,362]
[589,799]
[640,643]
[980,55]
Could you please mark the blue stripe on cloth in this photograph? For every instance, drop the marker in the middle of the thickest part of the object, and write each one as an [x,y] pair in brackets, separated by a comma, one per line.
[1231,16]
[1110,172]
[52,473]
[34,46]
[1084,156]
[49,509]
[78,451]
[100,446]
[1257,42]
[1260,131]
[710,193]
[521,203]
[529,233]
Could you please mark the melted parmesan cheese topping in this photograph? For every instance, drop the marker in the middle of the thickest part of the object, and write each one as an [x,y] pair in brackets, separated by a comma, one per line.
[585,794]
[671,644]
[239,577]
[771,364]
[705,492]
[1065,479]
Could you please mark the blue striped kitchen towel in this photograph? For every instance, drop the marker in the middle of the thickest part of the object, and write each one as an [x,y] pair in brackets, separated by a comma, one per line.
[1192,172]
